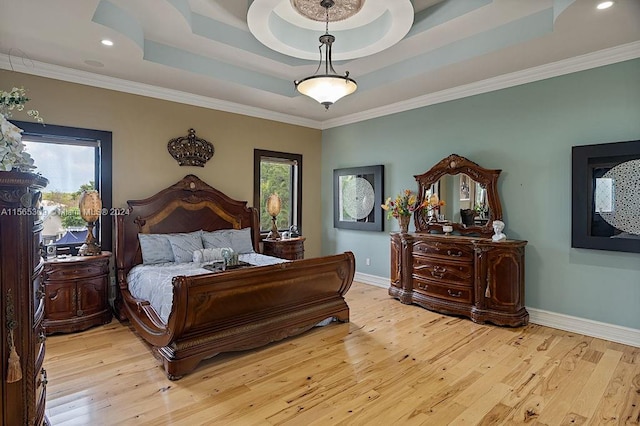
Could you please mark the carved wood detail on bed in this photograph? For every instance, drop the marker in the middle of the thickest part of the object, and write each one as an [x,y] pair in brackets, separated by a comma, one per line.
[223,311]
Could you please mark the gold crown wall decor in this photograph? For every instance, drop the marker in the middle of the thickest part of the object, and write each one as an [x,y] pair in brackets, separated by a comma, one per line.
[190,150]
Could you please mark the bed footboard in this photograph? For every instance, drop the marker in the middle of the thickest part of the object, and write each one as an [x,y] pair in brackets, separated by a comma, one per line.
[243,309]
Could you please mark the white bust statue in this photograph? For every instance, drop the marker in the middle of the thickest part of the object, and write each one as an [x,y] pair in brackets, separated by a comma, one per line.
[498,226]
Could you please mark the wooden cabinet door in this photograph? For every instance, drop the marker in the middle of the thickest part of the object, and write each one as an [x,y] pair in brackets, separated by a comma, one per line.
[396,259]
[60,300]
[504,278]
[92,295]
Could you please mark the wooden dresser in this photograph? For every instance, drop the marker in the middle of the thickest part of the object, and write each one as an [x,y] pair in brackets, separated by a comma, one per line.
[76,293]
[22,307]
[291,249]
[469,276]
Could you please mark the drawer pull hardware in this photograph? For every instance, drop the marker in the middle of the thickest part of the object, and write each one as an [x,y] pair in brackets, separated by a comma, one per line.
[451,253]
[454,294]
[438,271]
[80,312]
[42,337]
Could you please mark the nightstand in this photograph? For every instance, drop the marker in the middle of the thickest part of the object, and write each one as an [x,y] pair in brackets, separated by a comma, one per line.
[76,293]
[290,249]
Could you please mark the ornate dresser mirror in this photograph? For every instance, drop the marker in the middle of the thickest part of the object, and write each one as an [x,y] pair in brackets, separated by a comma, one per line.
[470,194]
[465,273]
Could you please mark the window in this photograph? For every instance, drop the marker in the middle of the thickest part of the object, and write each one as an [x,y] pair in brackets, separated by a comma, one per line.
[73,160]
[279,173]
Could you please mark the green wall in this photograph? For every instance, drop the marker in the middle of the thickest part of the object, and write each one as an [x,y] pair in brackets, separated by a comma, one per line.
[527,131]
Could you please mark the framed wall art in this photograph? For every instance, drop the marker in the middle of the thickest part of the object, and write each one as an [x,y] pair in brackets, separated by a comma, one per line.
[357,198]
[605,208]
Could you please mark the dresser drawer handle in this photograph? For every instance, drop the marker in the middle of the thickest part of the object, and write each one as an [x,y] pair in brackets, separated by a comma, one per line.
[454,294]
[458,254]
[438,271]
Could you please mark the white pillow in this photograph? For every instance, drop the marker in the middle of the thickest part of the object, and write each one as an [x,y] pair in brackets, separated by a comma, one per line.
[183,245]
[207,255]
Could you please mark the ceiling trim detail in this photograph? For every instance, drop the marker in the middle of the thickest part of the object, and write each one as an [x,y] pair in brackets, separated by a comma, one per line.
[379,25]
[600,58]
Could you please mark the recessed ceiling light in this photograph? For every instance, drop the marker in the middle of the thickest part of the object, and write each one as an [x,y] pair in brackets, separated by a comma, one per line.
[604,5]
[106,42]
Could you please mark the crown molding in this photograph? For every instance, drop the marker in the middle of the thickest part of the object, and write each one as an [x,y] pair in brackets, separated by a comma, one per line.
[56,72]
[597,59]
[611,332]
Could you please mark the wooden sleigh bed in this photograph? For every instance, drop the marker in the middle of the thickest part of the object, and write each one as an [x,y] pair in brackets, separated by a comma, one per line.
[223,311]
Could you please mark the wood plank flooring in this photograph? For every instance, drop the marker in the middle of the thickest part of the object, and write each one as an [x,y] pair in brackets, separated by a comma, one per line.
[391,365]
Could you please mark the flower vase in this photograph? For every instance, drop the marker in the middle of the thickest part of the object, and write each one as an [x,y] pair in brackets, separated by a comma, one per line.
[403,221]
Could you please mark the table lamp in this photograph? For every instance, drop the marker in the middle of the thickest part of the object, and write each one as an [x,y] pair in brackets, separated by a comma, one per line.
[273,208]
[90,210]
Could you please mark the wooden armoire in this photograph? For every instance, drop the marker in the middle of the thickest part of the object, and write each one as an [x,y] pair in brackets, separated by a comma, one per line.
[23,390]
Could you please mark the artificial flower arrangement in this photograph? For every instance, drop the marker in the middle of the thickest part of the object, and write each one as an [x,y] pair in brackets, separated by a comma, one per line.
[403,205]
[12,153]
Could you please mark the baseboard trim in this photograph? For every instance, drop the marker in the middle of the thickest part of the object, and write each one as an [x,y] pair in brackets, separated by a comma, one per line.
[600,330]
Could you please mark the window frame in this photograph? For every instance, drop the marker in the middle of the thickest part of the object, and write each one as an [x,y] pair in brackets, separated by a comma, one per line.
[258,156]
[103,165]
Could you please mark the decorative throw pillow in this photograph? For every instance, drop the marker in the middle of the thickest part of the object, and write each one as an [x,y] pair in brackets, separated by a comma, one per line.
[207,255]
[241,240]
[183,245]
[155,248]
[216,239]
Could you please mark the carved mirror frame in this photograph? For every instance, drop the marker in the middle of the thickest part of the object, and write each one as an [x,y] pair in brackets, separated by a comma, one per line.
[453,165]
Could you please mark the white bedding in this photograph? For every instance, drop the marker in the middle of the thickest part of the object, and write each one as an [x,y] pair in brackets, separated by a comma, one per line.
[153,282]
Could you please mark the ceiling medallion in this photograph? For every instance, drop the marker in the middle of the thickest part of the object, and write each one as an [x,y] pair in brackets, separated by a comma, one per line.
[339,12]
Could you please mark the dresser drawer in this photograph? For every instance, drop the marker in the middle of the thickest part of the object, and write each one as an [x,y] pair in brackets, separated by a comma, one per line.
[64,271]
[444,250]
[444,291]
[434,268]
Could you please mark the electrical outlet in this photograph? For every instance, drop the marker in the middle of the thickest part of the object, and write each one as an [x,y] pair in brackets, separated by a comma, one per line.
[367,261]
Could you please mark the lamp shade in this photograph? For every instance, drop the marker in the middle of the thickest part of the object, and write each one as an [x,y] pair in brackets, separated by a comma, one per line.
[327,89]
[90,206]
[273,205]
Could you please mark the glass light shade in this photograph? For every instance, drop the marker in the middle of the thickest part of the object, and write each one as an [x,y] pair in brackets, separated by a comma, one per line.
[327,89]
[90,206]
[273,205]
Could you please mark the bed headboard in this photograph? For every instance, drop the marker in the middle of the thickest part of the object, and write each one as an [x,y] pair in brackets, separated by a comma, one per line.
[187,206]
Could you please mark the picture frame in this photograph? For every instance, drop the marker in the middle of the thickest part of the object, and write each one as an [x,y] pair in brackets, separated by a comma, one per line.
[465,189]
[604,201]
[357,198]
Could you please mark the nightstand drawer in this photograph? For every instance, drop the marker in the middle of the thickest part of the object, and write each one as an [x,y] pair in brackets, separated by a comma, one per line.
[71,271]
[290,249]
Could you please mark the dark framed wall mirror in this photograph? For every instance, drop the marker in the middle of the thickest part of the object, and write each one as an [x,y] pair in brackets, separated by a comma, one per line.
[466,195]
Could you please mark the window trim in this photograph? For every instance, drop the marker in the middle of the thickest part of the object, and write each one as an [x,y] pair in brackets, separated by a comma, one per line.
[258,156]
[104,163]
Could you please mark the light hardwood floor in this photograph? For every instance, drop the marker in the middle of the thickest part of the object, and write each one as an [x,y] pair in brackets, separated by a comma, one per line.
[392,365]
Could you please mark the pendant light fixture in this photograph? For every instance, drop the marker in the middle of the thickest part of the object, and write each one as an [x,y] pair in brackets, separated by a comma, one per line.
[326,88]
